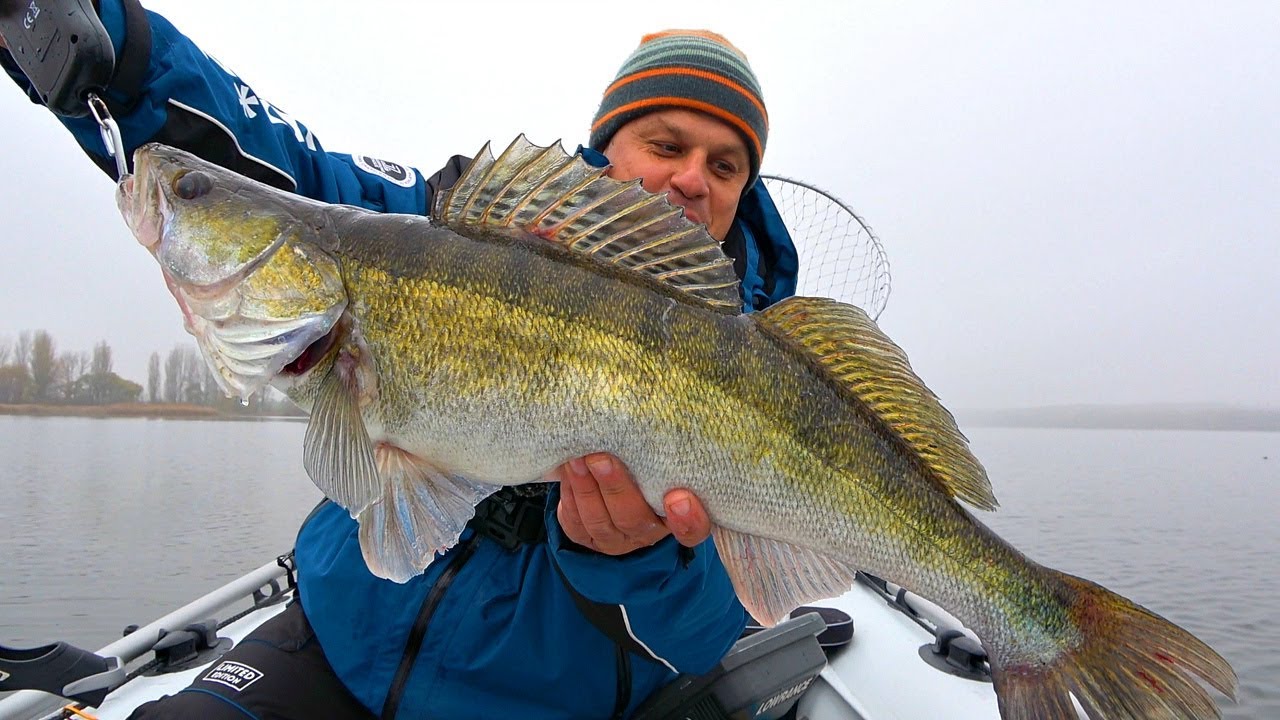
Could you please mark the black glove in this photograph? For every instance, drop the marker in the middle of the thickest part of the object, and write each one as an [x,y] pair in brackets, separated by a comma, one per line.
[61,48]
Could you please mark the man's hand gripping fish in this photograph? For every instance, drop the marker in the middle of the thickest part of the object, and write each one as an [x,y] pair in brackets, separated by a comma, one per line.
[546,312]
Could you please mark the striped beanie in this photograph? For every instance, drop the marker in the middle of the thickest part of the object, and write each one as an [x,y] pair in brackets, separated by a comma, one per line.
[689,69]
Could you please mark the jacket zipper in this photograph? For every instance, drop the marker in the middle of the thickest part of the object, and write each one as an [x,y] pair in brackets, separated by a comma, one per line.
[419,630]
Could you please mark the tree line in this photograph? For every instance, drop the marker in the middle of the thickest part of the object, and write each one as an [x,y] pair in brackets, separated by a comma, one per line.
[34,370]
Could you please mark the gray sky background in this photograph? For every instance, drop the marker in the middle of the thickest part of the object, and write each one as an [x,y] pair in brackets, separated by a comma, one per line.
[1080,201]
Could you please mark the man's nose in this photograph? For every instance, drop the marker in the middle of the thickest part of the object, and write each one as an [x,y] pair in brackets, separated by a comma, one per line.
[691,177]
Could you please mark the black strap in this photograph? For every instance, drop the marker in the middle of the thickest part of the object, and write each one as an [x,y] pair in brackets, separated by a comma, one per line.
[622,698]
[513,516]
[609,620]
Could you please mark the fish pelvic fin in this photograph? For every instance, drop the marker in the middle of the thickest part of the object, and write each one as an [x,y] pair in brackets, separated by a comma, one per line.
[336,450]
[851,348]
[1128,663]
[567,201]
[422,511]
[772,578]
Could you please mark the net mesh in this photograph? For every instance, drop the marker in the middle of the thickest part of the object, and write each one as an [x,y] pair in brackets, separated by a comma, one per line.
[840,257]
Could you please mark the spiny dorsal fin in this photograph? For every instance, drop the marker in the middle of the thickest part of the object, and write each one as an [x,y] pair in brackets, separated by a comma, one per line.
[564,199]
[852,348]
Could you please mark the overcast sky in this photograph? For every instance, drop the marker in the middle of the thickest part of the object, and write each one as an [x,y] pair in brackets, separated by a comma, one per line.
[1080,201]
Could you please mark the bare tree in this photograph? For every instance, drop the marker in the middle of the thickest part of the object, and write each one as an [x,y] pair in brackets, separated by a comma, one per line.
[153,378]
[192,376]
[101,358]
[82,364]
[65,373]
[43,360]
[212,393]
[22,349]
[173,375]
[14,383]
[6,351]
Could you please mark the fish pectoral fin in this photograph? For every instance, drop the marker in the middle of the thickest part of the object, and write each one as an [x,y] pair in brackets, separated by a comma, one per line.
[422,510]
[772,577]
[336,451]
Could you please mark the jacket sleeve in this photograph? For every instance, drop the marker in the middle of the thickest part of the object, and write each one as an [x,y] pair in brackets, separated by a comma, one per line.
[170,91]
[675,608]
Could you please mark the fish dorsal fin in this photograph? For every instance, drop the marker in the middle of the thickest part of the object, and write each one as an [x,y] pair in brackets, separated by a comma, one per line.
[567,201]
[860,357]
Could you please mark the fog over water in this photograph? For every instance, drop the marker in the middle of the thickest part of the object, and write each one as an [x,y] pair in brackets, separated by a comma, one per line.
[1079,201]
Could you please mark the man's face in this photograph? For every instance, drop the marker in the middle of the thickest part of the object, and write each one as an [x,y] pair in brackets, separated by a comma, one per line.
[701,163]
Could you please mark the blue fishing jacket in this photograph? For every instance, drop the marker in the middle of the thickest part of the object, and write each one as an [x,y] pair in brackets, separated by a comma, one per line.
[485,631]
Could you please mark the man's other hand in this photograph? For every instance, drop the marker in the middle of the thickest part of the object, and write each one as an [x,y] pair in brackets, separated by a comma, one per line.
[602,508]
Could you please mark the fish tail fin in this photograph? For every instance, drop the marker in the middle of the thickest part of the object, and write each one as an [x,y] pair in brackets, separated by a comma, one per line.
[1128,663]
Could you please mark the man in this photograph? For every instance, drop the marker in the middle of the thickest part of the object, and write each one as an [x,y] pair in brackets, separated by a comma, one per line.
[572,599]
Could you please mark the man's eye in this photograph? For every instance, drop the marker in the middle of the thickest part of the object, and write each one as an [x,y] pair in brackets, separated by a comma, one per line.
[667,148]
[726,169]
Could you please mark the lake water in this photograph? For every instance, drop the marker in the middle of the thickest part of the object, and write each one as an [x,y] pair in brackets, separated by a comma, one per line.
[104,523]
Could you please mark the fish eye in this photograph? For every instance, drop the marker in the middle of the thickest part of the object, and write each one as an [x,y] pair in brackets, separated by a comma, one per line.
[192,184]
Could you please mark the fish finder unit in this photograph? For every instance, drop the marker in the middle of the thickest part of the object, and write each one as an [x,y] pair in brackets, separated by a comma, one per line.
[62,48]
[761,678]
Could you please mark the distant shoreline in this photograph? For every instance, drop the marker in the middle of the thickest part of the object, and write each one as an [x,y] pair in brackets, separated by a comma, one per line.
[1127,417]
[152,411]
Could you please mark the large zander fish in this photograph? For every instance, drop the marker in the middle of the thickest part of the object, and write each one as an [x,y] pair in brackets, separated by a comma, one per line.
[545,312]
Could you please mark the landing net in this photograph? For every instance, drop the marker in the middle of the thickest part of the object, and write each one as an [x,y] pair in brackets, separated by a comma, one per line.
[840,257]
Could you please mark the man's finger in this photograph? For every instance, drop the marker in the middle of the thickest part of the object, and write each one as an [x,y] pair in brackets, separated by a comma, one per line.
[567,514]
[686,517]
[593,513]
[628,510]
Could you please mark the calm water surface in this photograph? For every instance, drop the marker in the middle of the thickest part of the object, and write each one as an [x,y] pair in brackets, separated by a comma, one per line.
[104,523]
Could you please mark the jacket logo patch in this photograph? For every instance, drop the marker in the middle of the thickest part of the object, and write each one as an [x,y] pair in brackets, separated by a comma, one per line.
[234,675]
[399,174]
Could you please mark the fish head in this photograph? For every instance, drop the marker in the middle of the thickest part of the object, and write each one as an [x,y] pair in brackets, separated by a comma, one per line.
[245,261]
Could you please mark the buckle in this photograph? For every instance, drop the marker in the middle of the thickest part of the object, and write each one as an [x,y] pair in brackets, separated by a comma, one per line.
[511,518]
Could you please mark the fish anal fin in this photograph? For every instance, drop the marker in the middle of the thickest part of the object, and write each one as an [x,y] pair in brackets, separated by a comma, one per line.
[422,510]
[849,345]
[567,201]
[772,578]
[336,451]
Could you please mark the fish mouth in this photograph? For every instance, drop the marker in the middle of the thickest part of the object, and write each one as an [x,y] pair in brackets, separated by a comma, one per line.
[317,351]
[145,221]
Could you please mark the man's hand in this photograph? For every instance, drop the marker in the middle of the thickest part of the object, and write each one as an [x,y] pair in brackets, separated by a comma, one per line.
[602,508]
